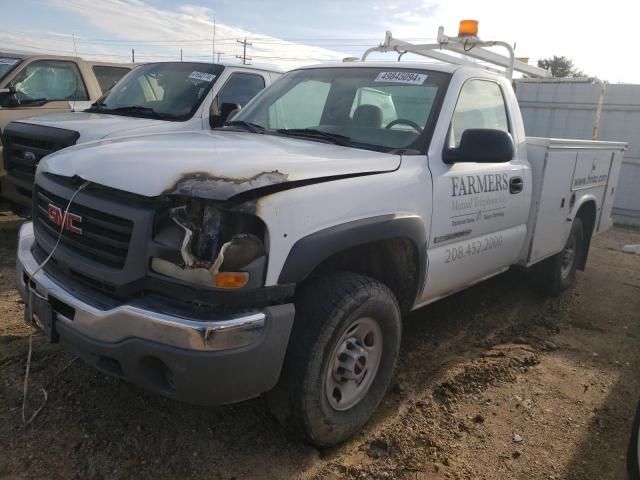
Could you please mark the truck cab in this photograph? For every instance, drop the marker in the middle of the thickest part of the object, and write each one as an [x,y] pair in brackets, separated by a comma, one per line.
[40,84]
[278,255]
[153,98]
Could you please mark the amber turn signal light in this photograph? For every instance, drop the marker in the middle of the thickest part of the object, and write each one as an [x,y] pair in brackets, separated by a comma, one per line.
[231,279]
[468,28]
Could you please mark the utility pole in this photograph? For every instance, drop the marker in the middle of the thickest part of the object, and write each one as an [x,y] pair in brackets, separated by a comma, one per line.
[213,43]
[133,56]
[219,53]
[180,54]
[244,57]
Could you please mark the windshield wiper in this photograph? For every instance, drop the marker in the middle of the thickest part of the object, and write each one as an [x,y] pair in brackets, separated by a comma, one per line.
[315,133]
[96,107]
[148,111]
[29,101]
[403,151]
[252,127]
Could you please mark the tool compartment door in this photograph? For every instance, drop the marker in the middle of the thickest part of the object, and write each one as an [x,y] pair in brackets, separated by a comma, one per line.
[553,209]
[573,172]
[604,222]
[591,176]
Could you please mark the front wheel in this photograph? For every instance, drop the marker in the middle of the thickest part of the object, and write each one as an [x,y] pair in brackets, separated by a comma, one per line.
[558,273]
[340,359]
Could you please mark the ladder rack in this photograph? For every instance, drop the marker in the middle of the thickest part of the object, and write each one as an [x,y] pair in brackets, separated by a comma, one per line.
[466,46]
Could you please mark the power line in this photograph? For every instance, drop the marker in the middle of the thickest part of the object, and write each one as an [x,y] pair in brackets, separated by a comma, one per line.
[270,40]
[37,48]
[255,39]
[132,55]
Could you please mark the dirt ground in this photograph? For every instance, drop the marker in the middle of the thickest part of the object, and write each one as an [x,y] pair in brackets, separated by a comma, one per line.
[495,382]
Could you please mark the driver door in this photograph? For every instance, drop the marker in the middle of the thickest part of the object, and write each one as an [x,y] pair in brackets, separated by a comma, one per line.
[479,211]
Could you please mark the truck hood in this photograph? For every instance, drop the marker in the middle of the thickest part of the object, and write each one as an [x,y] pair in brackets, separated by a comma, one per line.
[210,164]
[94,126]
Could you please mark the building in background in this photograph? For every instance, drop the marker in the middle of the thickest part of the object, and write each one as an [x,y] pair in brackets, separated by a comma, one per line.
[586,109]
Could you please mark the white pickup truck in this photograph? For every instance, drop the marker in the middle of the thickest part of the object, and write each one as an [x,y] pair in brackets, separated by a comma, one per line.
[279,254]
[153,98]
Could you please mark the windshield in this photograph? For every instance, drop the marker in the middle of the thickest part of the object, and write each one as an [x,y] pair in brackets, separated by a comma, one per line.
[7,64]
[380,109]
[170,91]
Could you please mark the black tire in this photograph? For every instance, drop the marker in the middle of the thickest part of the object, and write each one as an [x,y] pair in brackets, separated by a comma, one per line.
[325,309]
[633,461]
[553,276]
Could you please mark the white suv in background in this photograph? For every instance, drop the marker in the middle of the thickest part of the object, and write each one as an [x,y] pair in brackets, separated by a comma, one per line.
[153,98]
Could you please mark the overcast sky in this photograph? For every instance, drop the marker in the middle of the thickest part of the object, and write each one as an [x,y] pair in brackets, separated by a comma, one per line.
[599,37]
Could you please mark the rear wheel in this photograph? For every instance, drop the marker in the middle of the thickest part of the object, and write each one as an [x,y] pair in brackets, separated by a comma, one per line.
[340,359]
[558,273]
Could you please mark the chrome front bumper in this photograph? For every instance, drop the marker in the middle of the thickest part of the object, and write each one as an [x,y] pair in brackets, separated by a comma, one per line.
[132,320]
[224,360]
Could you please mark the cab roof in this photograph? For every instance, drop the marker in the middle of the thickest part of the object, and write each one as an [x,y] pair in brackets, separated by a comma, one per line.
[25,56]
[223,64]
[448,68]
[437,67]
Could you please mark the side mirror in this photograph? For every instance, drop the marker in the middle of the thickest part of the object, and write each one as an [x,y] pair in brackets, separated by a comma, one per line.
[10,88]
[219,115]
[481,145]
[8,96]
[232,114]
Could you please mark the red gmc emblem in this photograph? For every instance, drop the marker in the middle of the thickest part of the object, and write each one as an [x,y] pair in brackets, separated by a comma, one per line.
[56,216]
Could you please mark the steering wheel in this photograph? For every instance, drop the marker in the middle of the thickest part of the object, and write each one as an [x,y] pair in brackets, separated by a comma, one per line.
[402,121]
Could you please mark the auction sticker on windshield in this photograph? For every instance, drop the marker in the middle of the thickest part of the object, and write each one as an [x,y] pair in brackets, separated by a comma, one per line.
[411,78]
[8,61]
[207,77]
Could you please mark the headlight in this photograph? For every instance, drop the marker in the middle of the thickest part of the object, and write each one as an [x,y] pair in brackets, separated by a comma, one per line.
[207,245]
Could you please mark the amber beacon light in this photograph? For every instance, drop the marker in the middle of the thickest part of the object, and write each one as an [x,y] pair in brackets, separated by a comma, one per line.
[468,28]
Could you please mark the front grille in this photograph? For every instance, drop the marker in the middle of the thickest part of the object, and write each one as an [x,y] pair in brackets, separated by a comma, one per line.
[105,238]
[79,285]
[23,154]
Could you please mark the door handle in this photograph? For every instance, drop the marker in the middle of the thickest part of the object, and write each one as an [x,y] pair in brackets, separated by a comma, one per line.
[516,185]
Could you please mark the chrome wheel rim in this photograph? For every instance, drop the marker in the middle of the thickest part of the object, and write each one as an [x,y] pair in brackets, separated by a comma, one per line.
[568,257]
[353,364]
